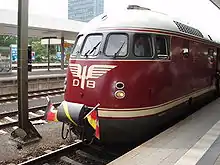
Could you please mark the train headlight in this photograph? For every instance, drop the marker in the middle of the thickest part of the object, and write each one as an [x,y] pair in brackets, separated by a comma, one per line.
[119,94]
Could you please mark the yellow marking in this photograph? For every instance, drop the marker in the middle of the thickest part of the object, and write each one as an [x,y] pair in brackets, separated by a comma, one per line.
[65,107]
[91,121]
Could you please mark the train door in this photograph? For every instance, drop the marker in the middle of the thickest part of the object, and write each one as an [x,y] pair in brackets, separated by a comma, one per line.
[188,68]
[218,71]
[195,66]
[218,60]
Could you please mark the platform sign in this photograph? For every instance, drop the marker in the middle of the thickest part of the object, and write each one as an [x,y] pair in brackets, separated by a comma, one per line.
[14,54]
[66,45]
[33,56]
[58,56]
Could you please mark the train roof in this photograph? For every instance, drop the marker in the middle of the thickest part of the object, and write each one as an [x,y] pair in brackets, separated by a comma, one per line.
[139,17]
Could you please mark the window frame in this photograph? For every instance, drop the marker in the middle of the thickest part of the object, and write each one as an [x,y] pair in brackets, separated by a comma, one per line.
[106,43]
[77,39]
[186,46]
[167,46]
[84,41]
[151,45]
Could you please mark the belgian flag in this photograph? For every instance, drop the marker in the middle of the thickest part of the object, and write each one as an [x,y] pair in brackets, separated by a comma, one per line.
[50,113]
[93,120]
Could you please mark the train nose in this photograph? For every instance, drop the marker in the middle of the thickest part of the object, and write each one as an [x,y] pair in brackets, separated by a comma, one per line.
[67,112]
[71,113]
[75,114]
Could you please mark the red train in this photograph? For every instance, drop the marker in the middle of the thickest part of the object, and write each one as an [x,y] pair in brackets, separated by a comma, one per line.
[129,74]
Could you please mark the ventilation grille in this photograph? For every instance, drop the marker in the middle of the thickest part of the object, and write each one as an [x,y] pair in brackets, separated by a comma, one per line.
[188,29]
[137,7]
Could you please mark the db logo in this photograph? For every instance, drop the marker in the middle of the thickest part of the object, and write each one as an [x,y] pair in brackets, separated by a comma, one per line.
[84,74]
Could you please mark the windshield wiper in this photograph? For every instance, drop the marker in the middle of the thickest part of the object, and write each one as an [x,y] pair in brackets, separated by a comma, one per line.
[93,49]
[116,53]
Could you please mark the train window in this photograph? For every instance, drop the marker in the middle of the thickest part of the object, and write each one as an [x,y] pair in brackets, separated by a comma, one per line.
[142,45]
[161,47]
[210,51]
[92,45]
[77,45]
[117,45]
[185,49]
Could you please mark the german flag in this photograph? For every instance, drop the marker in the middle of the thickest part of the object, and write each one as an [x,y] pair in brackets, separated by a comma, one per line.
[92,118]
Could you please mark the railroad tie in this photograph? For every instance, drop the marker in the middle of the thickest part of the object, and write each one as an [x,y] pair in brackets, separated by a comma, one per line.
[69,161]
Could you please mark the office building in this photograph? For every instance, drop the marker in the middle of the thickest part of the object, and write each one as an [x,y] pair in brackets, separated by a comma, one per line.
[84,10]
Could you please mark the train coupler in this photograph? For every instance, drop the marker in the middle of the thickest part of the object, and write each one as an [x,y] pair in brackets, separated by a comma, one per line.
[80,119]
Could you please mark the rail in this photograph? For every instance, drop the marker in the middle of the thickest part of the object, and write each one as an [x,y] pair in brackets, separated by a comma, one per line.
[78,153]
[32,94]
[42,66]
[14,122]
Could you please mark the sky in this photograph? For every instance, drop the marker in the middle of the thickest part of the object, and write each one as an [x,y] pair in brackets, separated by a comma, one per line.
[50,8]
[201,14]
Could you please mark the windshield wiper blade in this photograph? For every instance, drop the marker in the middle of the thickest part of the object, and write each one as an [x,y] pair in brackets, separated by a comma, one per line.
[94,48]
[90,51]
[116,53]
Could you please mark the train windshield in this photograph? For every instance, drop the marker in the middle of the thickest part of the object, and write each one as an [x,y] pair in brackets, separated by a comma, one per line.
[91,45]
[117,45]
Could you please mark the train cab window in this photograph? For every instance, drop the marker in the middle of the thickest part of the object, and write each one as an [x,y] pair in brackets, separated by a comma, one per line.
[142,45]
[91,45]
[161,46]
[77,46]
[117,45]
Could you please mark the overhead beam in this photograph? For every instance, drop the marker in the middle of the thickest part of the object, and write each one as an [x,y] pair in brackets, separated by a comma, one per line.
[216,3]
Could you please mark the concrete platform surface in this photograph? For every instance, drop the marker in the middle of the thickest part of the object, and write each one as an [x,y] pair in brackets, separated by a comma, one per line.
[193,141]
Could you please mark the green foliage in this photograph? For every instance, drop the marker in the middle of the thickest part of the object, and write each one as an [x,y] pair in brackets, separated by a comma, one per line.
[6,40]
[40,51]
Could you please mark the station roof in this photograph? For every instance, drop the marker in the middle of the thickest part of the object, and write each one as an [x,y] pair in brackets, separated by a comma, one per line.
[216,3]
[40,26]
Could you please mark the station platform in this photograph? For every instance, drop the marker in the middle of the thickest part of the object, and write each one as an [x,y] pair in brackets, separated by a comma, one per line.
[193,141]
[34,73]
[37,80]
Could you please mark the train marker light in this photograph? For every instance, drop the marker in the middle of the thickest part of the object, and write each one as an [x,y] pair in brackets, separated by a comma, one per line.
[119,85]
[119,94]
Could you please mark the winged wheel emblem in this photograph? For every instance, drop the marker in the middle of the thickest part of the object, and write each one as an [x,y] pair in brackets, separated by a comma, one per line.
[85,73]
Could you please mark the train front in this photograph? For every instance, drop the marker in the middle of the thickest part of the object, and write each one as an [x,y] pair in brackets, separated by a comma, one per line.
[105,84]
[95,81]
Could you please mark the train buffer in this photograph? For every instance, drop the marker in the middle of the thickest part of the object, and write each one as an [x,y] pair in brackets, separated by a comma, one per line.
[193,141]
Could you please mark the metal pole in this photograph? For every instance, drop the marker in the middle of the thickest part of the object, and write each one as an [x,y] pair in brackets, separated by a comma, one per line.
[26,132]
[48,54]
[22,69]
[62,53]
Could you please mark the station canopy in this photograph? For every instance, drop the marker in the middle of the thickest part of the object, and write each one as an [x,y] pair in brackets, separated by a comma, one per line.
[40,26]
[216,3]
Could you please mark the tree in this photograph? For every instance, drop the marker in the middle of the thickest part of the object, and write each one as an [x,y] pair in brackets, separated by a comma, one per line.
[6,40]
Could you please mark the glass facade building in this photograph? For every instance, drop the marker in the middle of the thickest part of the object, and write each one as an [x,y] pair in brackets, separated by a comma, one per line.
[84,10]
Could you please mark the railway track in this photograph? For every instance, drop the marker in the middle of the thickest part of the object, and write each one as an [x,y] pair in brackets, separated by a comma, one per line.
[32,94]
[77,153]
[9,120]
